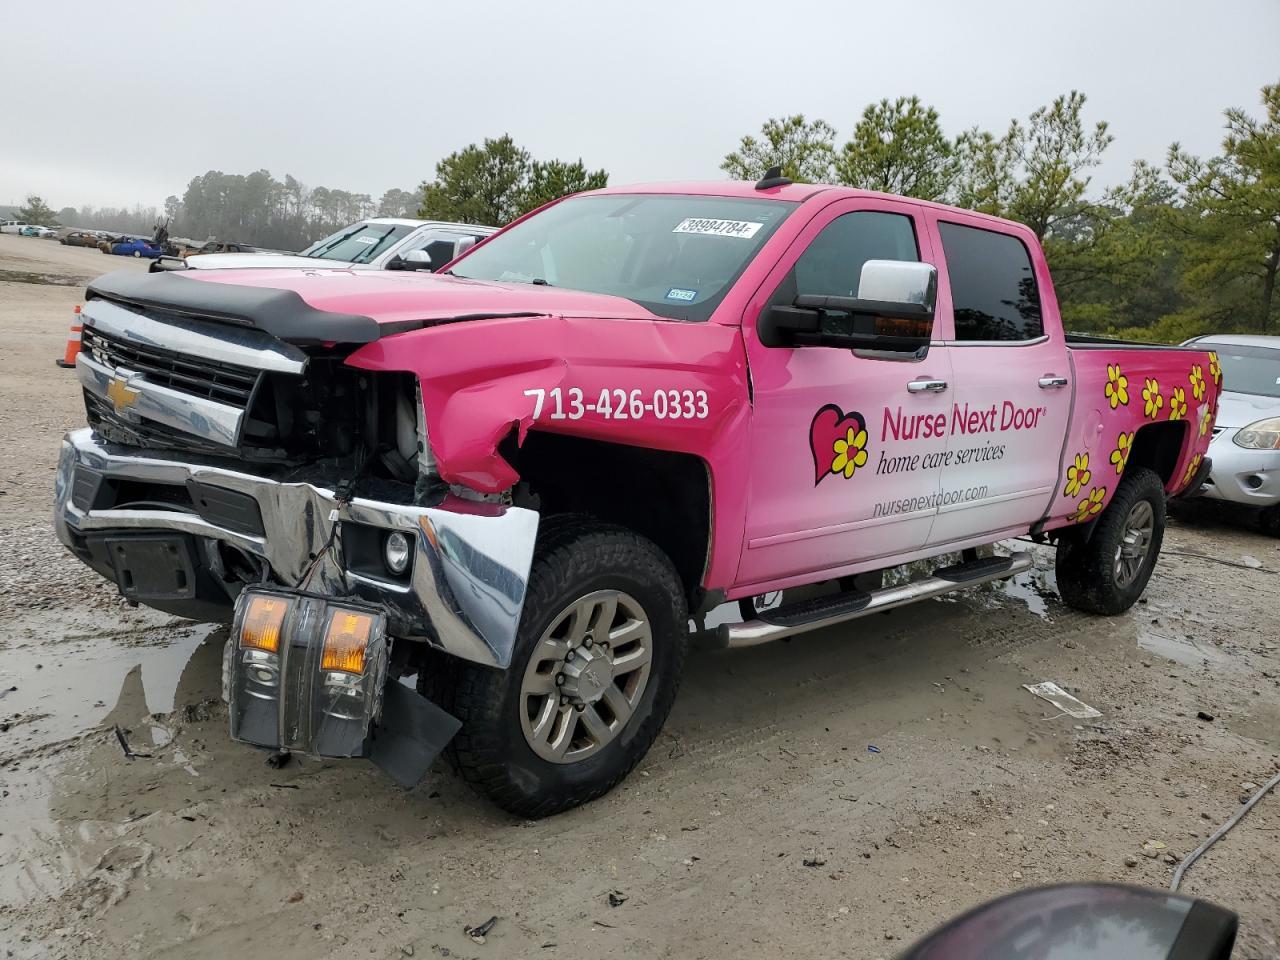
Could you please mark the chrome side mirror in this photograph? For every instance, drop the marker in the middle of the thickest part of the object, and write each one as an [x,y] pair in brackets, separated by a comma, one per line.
[900,282]
[419,259]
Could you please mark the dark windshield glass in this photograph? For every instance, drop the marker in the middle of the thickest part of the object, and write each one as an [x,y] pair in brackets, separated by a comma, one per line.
[674,255]
[1253,370]
[358,243]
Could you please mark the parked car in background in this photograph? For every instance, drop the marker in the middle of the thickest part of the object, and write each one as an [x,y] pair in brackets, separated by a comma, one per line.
[215,246]
[382,243]
[12,226]
[81,238]
[1246,440]
[133,247]
[31,230]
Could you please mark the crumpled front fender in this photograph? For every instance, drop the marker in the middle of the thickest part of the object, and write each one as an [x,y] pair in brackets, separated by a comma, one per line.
[481,379]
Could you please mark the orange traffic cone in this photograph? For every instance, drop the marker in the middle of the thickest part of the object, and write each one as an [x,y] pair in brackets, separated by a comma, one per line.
[73,342]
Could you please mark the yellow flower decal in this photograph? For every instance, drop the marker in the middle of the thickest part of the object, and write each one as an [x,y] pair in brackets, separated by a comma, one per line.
[1197,382]
[851,452]
[1152,401]
[1117,386]
[1090,506]
[1206,421]
[1215,368]
[1077,474]
[1120,455]
[1177,404]
[1192,467]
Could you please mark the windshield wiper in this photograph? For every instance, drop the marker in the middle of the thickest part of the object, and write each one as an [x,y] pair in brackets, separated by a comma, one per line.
[539,282]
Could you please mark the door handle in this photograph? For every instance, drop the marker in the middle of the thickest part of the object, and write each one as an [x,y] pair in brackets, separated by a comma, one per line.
[1050,382]
[926,386]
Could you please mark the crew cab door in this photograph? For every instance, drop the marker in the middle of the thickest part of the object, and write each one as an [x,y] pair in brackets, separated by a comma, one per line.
[830,484]
[1012,380]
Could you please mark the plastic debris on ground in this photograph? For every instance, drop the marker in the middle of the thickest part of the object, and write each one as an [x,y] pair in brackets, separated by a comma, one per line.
[480,931]
[1048,690]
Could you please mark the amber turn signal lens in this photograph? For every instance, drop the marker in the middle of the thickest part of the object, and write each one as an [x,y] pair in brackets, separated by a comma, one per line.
[345,640]
[260,629]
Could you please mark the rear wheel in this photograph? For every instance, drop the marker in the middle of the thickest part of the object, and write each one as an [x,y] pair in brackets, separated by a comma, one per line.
[597,662]
[1269,521]
[1108,573]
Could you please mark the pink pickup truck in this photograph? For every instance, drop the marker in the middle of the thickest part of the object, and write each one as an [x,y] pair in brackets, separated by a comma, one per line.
[486,508]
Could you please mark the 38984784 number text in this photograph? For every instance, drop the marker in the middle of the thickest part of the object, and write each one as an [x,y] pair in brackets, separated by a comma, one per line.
[618,404]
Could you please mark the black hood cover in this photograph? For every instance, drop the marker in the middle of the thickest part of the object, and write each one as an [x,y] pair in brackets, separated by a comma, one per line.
[281,313]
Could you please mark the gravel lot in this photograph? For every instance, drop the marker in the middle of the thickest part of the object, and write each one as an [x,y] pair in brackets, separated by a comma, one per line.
[761,824]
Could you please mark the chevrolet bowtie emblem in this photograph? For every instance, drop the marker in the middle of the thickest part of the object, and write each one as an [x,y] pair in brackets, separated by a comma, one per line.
[121,395]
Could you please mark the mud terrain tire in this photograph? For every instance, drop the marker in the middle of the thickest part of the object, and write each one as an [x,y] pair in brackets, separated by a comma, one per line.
[1090,574]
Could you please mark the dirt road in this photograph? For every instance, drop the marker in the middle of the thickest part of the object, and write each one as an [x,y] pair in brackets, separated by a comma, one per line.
[837,795]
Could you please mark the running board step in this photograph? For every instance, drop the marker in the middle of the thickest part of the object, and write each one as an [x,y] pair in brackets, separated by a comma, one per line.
[819,608]
[973,570]
[825,611]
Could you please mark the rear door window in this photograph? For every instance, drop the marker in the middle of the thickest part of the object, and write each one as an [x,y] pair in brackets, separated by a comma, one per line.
[994,295]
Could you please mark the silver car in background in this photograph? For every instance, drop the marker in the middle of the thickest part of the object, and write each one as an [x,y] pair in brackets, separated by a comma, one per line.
[380,243]
[1246,438]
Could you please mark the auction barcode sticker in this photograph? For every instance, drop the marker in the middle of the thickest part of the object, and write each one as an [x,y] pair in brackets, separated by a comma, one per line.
[745,229]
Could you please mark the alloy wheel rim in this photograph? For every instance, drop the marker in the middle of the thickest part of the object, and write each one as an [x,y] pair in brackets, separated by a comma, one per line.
[1135,543]
[586,676]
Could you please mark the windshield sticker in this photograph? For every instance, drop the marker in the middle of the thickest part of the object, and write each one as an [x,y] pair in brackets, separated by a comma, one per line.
[366,239]
[679,293]
[745,229]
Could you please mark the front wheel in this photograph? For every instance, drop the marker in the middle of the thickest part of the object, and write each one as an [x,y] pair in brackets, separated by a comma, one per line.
[1108,573]
[597,661]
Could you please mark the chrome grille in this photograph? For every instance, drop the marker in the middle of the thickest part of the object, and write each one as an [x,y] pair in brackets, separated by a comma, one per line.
[139,432]
[200,377]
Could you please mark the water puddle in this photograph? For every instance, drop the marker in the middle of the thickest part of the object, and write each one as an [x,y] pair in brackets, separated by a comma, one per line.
[1184,650]
[70,681]
[80,672]
[1034,588]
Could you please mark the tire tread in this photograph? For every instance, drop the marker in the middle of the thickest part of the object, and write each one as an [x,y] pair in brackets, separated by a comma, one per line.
[569,549]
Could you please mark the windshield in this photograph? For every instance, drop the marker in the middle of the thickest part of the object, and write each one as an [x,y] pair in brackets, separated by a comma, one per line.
[358,243]
[1254,370]
[677,256]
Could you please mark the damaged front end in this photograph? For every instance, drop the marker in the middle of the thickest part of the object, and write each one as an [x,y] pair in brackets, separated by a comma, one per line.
[233,473]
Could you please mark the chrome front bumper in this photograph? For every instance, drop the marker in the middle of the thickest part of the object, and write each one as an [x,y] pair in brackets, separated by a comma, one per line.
[470,567]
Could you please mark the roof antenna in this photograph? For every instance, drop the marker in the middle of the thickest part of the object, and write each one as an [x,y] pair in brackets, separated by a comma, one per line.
[772,178]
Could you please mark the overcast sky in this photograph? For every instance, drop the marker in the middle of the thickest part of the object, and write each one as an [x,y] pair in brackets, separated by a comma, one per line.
[119,103]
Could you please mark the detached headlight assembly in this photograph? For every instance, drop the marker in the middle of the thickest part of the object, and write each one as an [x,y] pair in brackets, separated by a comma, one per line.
[1260,435]
[305,672]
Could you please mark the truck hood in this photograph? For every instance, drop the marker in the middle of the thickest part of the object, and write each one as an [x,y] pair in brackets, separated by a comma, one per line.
[1241,409]
[348,306]
[275,261]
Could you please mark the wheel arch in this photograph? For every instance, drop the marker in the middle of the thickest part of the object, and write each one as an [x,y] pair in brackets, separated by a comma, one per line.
[660,494]
[1158,447]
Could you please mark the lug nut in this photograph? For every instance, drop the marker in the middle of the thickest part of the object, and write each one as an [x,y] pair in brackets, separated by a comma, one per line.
[587,641]
[559,679]
[564,701]
[579,707]
[570,655]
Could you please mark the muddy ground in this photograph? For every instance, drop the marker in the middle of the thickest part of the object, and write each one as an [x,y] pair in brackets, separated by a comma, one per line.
[763,823]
